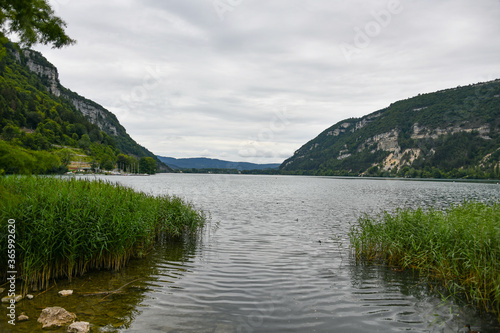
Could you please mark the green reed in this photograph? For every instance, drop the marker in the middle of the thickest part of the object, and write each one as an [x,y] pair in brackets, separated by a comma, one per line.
[67,227]
[460,247]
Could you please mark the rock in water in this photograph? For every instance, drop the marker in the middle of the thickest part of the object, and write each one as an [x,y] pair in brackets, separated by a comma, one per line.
[65,293]
[23,317]
[79,327]
[8,299]
[55,316]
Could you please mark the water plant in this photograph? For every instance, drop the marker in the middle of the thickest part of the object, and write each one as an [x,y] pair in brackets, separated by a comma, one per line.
[66,227]
[458,246]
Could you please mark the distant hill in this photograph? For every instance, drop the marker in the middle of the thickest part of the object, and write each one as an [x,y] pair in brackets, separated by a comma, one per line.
[38,114]
[208,163]
[452,133]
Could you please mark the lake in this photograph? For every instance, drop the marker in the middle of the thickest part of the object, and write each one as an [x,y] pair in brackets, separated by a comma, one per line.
[274,257]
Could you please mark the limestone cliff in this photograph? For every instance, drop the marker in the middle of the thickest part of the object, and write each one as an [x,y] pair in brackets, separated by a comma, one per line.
[451,130]
[106,121]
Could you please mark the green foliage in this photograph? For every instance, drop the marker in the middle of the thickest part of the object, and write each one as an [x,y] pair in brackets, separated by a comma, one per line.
[16,160]
[147,165]
[66,227]
[127,163]
[84,142]
[350,148]
[34,119]
[65,155]
[34,22]
[459,247]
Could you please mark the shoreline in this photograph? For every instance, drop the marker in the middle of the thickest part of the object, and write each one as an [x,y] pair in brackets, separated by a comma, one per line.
[458,248]
[66,227]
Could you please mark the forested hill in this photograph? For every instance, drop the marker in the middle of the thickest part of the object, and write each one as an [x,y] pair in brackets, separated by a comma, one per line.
[452,133]
[39,118]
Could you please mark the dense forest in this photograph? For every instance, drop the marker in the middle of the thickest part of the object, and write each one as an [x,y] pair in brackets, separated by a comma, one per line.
[43,131]
[452,133]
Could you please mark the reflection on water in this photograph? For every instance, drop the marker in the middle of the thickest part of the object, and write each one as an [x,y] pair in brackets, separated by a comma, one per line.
[274,258]
[115,311]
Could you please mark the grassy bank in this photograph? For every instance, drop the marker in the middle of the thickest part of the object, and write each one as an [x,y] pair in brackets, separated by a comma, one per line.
[67,227]
[459,247]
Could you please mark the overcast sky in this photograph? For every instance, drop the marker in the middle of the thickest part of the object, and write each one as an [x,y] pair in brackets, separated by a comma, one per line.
[253,80]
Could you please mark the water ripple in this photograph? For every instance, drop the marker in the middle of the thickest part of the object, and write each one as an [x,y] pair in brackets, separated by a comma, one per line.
[276,259]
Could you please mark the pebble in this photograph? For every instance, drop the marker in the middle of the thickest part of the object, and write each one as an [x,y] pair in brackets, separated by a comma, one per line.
[79,327]
[16,298]
[22,317]
[65,293]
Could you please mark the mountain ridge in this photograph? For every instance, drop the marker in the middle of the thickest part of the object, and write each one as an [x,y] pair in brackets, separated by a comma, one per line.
[39,117]
[94,112]
[449,133]
[211,163]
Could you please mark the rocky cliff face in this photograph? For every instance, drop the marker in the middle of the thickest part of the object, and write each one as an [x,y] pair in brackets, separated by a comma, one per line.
[398,157]
[95,113]
[453,129]
[43,70]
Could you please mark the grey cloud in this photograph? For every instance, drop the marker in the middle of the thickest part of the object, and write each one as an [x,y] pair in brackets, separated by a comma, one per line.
[218,83]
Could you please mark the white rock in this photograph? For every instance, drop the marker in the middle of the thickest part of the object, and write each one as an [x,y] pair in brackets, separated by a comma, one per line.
[22,317]
[65,293]
[16,298]
[79,327]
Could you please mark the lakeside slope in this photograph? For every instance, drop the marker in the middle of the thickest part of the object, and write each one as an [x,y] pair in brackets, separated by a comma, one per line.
[453,133]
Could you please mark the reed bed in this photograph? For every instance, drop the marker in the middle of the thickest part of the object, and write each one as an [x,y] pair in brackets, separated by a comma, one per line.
[459,247]
[67,227]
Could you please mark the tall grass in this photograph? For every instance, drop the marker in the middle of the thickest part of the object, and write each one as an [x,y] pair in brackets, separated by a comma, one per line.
[66,227]
[459,247]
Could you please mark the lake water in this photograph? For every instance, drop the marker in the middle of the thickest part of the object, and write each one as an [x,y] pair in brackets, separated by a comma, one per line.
[274,257]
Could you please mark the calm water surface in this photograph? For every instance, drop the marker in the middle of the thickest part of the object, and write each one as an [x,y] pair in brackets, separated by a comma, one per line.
[273,258]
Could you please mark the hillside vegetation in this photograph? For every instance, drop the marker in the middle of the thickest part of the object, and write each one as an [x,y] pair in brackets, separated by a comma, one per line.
[44,125]
[452,133]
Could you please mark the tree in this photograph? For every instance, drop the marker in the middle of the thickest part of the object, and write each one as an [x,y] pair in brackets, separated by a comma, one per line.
[34,22]
[122,161]
[65,156]
[107,163]
[10,132]
[147,165]
[84,142]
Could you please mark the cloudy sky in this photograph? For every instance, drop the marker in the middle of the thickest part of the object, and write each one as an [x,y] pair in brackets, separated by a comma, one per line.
[253,80]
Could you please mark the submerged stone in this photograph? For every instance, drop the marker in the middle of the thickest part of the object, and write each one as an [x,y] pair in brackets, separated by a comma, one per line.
[79,327]
[22,317]
[8,299]
[65,293]
[55,316]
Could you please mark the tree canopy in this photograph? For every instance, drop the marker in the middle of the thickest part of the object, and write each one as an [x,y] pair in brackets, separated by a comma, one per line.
[34,22]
